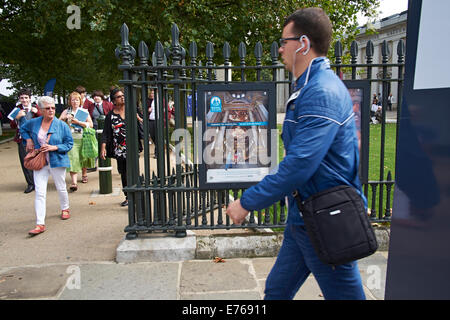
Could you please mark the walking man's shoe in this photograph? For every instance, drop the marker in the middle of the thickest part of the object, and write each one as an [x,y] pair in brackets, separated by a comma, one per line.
[125,203]
[29,189]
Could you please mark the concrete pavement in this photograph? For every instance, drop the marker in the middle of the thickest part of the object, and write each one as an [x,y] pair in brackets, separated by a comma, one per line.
[76,258]
[232,279]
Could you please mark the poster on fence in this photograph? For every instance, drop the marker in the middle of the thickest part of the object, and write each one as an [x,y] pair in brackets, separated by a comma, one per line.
[360,93]
[238,121]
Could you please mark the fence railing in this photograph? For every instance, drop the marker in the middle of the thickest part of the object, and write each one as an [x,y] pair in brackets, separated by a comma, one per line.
[164,194]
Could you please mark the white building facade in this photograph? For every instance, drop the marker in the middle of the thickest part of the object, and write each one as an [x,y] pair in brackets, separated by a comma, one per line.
[391,29]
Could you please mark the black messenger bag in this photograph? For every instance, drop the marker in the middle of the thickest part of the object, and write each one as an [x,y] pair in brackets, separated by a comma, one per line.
[337,225]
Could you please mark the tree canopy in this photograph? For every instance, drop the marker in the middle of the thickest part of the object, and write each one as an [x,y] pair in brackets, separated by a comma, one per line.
[37,43]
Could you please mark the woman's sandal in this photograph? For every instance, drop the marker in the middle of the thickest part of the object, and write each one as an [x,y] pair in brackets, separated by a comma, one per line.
[84,179]
[73,187]
[38,229]
[65,214]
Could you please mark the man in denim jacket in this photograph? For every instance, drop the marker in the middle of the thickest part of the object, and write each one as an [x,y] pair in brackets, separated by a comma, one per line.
[319,135]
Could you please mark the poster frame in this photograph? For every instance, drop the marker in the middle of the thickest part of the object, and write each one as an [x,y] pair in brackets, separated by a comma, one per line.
[364,127]
[203,106]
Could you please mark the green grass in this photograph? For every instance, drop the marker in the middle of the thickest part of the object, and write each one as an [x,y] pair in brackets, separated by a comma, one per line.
[7,133]
[374,158]
[375,151]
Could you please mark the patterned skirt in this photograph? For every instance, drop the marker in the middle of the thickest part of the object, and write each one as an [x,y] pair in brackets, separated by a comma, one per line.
[77,162]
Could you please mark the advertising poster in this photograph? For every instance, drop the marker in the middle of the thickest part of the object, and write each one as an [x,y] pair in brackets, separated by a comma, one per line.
[360,93]
[237,122]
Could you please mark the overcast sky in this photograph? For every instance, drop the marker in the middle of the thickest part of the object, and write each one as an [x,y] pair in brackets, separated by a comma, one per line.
[387,8]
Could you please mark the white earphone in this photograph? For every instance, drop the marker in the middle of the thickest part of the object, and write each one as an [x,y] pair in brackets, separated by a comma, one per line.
[303,37]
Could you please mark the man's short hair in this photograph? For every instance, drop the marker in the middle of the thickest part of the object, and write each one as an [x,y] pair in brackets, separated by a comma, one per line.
[315,24]
[98,93]
[80,89]
[113,93]
[45,100]
[24,91]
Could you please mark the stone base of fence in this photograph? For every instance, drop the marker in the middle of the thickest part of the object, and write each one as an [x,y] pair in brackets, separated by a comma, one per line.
[209,245]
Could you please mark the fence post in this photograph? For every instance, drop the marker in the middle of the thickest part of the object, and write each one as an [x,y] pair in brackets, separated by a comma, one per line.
[104,166]
[401,60]
[354,55]
[177,53]
[387,212]
[242,54]
[385,55]
[338,56]
[127,53]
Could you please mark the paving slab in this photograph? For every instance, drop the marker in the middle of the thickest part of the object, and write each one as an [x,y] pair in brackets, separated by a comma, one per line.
[207,276]
[139,281]
[32,282]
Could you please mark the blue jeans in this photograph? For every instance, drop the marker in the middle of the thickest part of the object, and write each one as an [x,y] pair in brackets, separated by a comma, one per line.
[297,259]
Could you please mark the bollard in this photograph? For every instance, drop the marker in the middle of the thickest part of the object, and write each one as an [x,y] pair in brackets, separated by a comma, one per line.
[104,166]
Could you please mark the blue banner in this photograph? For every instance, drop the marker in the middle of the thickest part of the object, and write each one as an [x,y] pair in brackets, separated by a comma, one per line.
[49,86]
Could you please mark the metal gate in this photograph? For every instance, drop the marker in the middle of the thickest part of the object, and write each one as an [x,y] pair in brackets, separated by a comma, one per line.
[163,193]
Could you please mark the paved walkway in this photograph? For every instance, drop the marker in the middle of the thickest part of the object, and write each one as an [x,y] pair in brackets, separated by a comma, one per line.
[75,259]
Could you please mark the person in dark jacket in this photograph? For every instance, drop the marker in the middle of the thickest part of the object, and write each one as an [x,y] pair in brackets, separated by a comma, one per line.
[100,107]
[114,137]
[319,136]
[85,102]
[28,111]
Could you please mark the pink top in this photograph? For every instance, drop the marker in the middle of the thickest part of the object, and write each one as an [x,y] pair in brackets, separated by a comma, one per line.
[42,139]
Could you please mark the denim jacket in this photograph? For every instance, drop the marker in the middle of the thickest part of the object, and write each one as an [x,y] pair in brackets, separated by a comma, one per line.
[319,136]
[61,137]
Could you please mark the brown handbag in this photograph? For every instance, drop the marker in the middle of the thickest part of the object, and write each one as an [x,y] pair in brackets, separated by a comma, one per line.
[35,160]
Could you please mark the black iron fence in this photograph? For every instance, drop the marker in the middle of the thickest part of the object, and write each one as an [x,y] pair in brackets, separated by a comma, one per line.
[164,193]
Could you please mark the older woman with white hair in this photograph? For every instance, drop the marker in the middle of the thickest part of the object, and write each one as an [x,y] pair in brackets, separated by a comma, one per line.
[53,137]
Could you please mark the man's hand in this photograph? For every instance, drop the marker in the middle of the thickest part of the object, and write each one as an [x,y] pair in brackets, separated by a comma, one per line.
[236,212]
[20,114]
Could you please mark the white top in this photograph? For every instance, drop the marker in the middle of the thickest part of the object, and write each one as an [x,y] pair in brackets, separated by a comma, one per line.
[152,113]
[42,139]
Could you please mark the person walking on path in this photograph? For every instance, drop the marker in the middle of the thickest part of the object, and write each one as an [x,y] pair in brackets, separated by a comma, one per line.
[77,162]
[53,137]
[114,135]
[85,102]
[27,111]
[319,135]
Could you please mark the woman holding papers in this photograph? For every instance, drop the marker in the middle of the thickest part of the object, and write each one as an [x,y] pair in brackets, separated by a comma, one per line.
[77,118]
[52,137]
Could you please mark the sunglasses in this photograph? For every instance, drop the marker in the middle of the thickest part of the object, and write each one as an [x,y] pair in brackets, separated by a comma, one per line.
[117,97]
[283,41]
[49,108]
